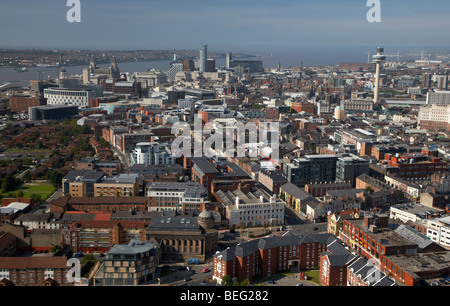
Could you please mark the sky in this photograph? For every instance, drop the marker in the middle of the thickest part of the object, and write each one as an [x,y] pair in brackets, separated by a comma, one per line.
[260,27]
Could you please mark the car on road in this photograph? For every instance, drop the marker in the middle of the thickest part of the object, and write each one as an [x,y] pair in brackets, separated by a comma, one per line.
[206,270]
[299,284]
[271,282]
[187,279]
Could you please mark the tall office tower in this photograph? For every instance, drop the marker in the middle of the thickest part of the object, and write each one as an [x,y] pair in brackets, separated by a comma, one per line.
[203,56]
[426,80]
[228,60]
[442,81]
[378,59]
[211,65]
[188,65]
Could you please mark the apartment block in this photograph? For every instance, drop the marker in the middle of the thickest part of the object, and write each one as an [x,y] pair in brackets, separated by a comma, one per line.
[33,271]
[98,236]
[129,264]
[182,196]
[267,256]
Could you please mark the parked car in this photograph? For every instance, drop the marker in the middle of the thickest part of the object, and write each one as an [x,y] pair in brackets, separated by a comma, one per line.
[187,279]
[299,284]
[206,270]
[271,282]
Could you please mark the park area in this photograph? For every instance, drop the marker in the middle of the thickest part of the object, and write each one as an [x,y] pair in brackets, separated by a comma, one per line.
[38,191]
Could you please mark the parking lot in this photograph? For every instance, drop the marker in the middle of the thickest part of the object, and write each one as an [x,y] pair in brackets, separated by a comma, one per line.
[182,274]
[286,280]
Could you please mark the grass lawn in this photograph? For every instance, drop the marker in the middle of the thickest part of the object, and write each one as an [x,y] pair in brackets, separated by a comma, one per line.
[313,276]
[42,189]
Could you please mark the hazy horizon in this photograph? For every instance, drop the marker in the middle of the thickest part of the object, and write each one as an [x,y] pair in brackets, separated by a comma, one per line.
[237,26]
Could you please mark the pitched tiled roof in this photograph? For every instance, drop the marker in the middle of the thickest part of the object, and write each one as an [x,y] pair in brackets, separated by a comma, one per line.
[6,239]
[33,262]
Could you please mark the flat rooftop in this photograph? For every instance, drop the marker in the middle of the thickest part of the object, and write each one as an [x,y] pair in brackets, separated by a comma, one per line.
[385,236]
[418,263]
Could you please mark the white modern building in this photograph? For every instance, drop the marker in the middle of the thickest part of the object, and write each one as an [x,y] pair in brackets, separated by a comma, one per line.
[415,213]
[438,230]
[186,103]
[152,153]
[63,96]
[187,196]
[438,97]
[256,212]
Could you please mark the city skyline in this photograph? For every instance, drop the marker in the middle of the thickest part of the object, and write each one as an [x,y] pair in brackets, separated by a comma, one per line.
[225,144]
[262,27]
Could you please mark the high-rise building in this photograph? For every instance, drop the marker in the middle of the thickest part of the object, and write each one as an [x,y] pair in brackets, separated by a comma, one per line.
[434,117]
[350,166]
[210,65]
[188,65]
[426,80]
[311,168]
[438,97]
[228,60]
[174,69]
[442,82]
[203,57]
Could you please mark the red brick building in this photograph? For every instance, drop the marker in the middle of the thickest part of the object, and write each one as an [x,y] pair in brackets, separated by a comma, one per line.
[321,189]
[33,271]
[207,172]
[121,87]
[372,238]
[98,236]
[22,103]
[272,113]
[333,264]
[106,204]
[267,256]
[415,165]
[303,107]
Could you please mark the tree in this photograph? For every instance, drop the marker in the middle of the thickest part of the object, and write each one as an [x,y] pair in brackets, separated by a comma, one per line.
[55,248]
[56,179]
[36,198]
[369,189]
[9,183]
[227,281]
